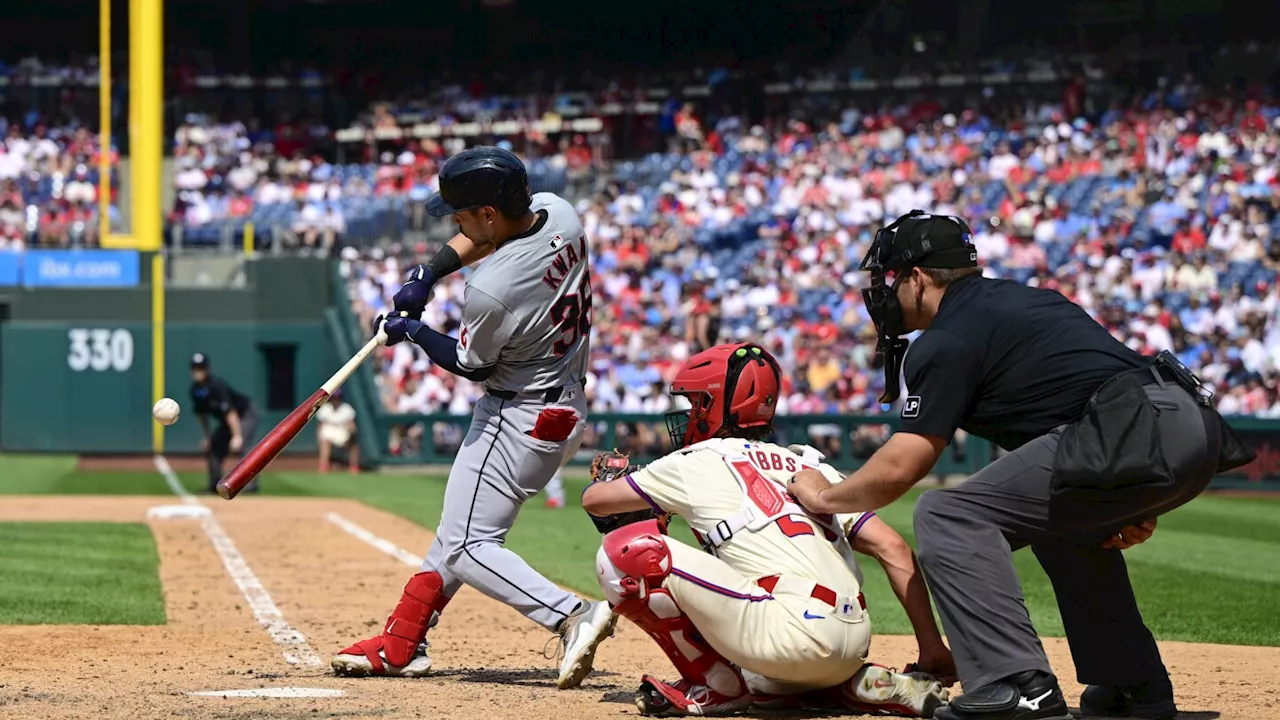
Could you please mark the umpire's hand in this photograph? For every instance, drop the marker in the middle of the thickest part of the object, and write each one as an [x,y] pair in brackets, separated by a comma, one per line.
[1132,535]
[805,486]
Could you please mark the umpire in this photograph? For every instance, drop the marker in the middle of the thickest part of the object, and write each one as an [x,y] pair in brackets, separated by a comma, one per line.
[234,412]
[1101,442]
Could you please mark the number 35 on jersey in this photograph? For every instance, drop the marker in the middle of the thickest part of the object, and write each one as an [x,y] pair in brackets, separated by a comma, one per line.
[572,312]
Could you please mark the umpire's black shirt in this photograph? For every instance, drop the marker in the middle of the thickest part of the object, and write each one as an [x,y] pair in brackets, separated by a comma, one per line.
[1007,363]
[215,397]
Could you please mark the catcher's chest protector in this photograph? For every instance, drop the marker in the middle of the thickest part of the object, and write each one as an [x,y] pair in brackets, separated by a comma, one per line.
[763,502]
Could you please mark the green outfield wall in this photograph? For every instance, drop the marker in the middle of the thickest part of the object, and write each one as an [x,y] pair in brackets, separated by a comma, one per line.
[85,387]
[76,362]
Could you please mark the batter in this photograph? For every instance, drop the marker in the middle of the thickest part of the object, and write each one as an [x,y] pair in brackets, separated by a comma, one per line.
[526,321]
[774,607]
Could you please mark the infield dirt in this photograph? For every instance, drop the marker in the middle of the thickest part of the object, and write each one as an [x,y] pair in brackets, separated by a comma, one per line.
[336,589]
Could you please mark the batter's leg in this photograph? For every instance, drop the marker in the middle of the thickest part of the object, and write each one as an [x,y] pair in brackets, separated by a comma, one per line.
[500,466]
[497,468]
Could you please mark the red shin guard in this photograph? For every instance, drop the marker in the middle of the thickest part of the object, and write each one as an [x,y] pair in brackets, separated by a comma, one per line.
[632,564]
[423,596]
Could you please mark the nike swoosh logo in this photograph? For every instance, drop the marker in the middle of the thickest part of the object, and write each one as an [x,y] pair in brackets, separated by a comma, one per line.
[810,616]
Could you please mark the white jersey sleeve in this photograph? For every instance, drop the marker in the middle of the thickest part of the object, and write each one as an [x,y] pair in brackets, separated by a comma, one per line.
[849,523]
[487,325]
[662,483]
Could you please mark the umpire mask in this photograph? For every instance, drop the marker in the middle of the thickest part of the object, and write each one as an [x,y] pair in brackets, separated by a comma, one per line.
[916,239]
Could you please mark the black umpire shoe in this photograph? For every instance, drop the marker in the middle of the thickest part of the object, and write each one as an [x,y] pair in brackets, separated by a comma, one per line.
[1151,700]
[1030,695]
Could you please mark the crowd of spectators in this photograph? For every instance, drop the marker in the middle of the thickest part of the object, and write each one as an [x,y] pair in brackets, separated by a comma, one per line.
[1157,216]
[48,185]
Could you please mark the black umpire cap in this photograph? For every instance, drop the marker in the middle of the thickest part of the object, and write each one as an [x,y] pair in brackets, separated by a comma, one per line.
[480,176]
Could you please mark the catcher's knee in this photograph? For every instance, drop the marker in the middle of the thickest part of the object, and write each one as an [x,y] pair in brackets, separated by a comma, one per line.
[633,560]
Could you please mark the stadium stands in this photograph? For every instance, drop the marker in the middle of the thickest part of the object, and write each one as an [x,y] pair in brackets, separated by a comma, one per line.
[1156,214]
[1158,222]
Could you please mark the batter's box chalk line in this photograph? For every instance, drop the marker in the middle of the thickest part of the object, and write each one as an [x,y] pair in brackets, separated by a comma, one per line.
[171,512]
[292,643]
[273,692]
[382,544]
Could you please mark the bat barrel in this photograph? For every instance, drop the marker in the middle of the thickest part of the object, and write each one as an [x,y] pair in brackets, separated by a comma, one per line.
[266,450]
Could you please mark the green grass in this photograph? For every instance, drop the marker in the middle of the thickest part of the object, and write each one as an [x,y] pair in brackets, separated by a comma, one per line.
[79,573]
[1208,575]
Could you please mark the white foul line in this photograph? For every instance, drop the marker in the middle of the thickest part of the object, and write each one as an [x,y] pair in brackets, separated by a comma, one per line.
[293,644]
[385,546]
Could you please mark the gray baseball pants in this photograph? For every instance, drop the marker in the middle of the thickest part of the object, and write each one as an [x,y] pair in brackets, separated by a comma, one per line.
[497,469]
[966,535]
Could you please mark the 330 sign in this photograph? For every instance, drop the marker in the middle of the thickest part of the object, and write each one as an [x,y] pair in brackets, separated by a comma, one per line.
[100,349]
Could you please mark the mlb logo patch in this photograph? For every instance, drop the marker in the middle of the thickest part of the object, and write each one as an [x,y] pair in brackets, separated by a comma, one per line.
[911,407]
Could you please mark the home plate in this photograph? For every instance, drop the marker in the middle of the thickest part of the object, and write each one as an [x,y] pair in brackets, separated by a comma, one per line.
[274,692]
[167,512]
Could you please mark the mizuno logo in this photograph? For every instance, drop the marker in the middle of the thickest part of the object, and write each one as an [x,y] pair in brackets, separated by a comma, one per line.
[810,616]
[1034,704]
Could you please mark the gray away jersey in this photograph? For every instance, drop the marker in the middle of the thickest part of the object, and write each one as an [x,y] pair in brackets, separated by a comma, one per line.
[527,308]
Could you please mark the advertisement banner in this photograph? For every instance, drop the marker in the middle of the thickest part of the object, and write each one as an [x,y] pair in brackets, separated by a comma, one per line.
[80,268]
[10,268]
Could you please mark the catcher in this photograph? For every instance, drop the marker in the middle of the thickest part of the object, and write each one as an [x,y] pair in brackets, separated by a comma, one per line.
[772,612]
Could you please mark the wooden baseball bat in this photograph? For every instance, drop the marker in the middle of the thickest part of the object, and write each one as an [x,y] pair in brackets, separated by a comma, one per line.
[257,459]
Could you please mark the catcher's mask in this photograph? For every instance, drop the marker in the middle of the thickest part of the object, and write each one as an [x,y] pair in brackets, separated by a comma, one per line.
[916,239]
[733,386]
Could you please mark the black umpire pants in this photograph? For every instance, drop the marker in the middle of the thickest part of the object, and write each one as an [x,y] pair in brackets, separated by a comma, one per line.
[966,535]
[220,446]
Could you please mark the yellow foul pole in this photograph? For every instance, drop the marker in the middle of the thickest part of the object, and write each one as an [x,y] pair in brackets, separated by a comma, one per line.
[146,147]
[104,119]
[157,345]
[146,127]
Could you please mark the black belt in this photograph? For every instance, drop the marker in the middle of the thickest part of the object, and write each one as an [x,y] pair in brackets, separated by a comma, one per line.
[550,396]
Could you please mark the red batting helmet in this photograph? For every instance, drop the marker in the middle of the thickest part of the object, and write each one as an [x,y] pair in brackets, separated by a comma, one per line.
[729,387]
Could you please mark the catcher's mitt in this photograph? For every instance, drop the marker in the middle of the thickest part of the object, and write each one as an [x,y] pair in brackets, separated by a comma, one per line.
[607,467]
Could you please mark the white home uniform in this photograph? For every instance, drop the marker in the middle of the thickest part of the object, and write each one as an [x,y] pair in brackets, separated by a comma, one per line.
[781,595]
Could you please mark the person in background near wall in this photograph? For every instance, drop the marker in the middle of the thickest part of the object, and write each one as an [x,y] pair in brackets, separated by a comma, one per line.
[237,419]
[338,430]
[555,491]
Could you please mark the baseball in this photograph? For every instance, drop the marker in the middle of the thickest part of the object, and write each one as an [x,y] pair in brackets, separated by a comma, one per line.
[166,411]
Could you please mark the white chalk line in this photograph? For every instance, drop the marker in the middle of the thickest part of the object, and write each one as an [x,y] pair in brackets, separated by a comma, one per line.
[275,692]
[293,644]
[382,544]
